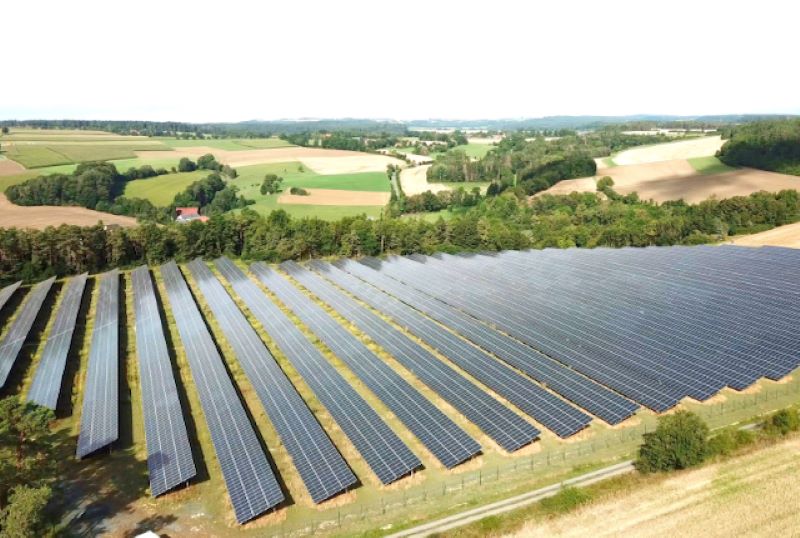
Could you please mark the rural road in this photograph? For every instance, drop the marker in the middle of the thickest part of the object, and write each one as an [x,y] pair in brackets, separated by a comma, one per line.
[506,505]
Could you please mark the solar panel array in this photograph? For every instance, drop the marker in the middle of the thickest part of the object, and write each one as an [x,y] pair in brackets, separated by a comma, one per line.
[17,333]
[443,437]
[252,486]
[387,456]
[322,469]
[656,324]
[505,427]
[169,456]
[549,410]
[573,386]
[46,384]
[7,292]
[100,411]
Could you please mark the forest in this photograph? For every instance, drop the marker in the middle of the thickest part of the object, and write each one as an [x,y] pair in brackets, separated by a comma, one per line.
[494,223]
[769,145]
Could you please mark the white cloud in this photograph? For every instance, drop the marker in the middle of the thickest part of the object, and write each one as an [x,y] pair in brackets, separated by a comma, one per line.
[237,60]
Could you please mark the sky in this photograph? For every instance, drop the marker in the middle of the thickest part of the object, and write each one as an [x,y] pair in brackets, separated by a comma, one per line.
[235,60]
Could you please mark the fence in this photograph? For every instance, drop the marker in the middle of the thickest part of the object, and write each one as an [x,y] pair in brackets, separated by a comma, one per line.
[556,463]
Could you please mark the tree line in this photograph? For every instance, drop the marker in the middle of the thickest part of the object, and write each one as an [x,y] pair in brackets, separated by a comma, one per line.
[494,223]
[767,145]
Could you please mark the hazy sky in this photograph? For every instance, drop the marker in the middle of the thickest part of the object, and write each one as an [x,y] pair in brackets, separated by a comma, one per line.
[234,60]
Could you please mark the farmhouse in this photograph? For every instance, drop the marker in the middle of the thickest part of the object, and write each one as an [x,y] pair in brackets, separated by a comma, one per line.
[188,214]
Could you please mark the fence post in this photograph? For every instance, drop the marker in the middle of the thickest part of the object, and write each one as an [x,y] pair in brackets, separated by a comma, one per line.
[480,477]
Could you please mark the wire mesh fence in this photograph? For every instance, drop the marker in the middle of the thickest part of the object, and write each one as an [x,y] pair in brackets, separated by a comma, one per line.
[466,488]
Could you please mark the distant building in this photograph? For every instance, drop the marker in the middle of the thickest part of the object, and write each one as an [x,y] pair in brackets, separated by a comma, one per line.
[188,214]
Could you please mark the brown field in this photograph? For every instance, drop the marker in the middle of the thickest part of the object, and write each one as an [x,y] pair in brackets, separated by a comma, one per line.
[9,167]
[673,180]
[782,236]
[40,217]
[670,151]
[322,161]
[750,495]
[336,197]
[415,181]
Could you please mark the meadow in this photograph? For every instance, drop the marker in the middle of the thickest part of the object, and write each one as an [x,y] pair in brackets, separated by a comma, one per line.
[161,190]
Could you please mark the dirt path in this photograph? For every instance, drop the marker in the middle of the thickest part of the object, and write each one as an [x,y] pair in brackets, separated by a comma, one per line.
[336,197]
[753,494]
[782,236]
[415,181]
[40,217]
[669,151]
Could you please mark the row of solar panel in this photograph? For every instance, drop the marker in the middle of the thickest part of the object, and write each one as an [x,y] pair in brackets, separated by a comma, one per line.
[564,345]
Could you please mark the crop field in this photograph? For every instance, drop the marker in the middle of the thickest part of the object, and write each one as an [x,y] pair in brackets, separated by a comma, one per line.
[232,144]
[40,217]
[750,495]
[326,310]
[787,235]
[161,190]
[669,151]
[709,165]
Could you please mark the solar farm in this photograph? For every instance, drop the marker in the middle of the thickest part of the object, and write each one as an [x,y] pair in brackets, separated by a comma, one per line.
[375,373]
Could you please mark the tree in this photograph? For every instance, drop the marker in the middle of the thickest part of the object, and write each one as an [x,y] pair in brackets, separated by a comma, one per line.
[208,162]
[271,184]
[25,514]
[186,165]
[680,441]
[5,130]
[783,422]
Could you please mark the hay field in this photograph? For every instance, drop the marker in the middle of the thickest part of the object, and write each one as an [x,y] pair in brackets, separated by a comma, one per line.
[751,495]
[40,217]
[782,236]
[336,197]
[669,151]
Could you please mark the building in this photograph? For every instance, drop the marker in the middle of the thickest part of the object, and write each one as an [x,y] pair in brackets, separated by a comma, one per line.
[188,214]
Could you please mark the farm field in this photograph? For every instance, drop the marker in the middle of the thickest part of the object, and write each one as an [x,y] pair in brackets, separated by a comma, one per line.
[40,217]
[116,483]
[752,494]
[669,151]
[787,235]
[227,144]
[161,190]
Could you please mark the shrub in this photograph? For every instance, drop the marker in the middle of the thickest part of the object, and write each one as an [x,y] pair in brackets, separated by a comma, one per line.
[566,500]
[782,422]
[728,441]
[298,191]
[680,441]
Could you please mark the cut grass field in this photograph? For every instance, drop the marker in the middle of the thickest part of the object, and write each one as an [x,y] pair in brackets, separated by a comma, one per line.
[161,190]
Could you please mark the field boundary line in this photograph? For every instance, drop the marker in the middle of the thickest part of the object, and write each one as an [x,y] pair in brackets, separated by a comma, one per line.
[513,503]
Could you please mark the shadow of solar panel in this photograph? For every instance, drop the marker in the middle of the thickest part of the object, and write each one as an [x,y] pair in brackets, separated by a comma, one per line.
[500,423]
[46,384]
[446,441]
[252,486]
[321,467]
[18,331]
[169,456]
[387,456]
[100,411]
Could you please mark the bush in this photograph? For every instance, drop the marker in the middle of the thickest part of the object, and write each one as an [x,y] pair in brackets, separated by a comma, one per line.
[566,500]
[298,191]
[680,441]
[728,441]
[782,422]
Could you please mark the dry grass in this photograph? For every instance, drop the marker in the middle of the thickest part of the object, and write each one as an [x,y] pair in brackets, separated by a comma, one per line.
[669,151]
[40,217]
[783,236]
[415,181]
[752,494]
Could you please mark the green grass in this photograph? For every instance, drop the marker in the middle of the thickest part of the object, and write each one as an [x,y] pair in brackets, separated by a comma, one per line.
[476,151]
[41,155]
[709,165]
[35,156]
[233,144]
[161,190]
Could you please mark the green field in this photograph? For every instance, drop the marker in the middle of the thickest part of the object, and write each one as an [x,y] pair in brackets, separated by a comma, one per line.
[231,144]
[251,177]
[161,190]
[44,155]
[709,165]
[476,151]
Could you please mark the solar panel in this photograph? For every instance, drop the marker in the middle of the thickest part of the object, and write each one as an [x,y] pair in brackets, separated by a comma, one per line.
[322,469]
[18,331]
[446,440]
[7,292]
[573,386]
[549,410]
[387,456]
[500,423]
[252,486]
[50,372]
[100,412]
[169,456]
